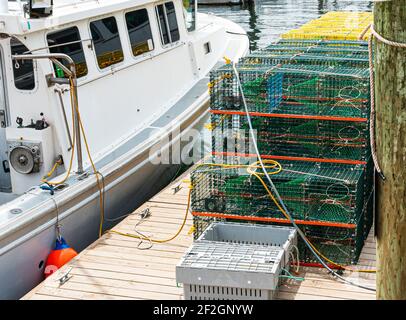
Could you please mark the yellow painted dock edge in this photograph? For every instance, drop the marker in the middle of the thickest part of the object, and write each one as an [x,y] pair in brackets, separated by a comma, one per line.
[339,25]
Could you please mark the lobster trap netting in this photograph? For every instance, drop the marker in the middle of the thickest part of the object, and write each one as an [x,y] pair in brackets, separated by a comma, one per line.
[309,102]
[304,90]
[322,43]
[334,26]
[337,244]
[310,191]
[312,48]
[295,137]
[340,245]
[326,56]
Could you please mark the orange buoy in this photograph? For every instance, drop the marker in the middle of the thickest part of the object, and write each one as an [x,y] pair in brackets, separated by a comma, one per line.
[59,256]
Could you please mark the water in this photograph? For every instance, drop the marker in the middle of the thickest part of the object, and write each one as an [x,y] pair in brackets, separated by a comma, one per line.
[266,20]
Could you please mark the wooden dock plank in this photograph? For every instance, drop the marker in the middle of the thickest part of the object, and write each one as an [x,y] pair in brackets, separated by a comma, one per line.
[39,296]
[116,267]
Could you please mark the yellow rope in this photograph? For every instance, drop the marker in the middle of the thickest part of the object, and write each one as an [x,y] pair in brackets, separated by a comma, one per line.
[159,240]
[75,108]
[101,202]
[250,169]
[44,180]
[50,173]
[277,165]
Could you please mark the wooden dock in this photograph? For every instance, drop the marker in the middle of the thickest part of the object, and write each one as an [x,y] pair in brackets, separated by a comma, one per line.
[115,267]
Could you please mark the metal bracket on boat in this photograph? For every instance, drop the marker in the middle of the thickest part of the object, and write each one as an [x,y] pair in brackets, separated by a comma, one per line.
[62,280]
[59,92]
[177,188]
[83,176]
[145,213]
[2,118]
[51,80]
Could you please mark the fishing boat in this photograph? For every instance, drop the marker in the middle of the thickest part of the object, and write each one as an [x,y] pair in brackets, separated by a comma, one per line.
[88,90]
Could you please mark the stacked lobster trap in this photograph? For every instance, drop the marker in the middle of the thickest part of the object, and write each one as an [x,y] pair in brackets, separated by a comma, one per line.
[355,57]
[332,203]
[339,25]
[309,104]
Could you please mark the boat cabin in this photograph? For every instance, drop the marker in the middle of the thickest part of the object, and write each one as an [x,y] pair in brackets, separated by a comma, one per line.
[121,49]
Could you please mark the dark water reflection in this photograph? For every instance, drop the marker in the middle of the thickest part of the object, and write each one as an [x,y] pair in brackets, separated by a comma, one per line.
[266,20]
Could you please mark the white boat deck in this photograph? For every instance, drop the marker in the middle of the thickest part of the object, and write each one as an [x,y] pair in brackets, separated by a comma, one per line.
[114,268]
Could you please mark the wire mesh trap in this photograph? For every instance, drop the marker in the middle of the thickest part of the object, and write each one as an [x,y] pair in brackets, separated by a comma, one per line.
[296,137]
[292,89]
[311,191]
[308,101]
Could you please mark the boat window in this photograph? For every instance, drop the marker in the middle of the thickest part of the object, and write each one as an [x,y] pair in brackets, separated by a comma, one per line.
[23,70]
[106,41]
[68,42]
[190,14]
[139,31]
[168,24]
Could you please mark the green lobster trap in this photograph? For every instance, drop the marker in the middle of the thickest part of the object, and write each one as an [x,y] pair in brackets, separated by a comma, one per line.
[309,104]
[325,51]
[325,56]
[318,192]
[340,245]
[353,44]
[306,90]
[310,137]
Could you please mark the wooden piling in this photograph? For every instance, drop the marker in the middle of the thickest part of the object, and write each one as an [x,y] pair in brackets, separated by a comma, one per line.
[390,90]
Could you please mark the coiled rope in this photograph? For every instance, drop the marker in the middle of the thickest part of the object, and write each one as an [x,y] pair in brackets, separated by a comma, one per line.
[372,88]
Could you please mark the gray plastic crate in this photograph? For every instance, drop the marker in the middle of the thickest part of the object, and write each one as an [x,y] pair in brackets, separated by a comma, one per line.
[236,261]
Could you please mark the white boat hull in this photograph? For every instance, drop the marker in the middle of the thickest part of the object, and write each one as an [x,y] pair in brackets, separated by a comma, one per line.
[80,228]
[26,237]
